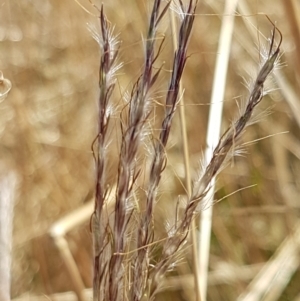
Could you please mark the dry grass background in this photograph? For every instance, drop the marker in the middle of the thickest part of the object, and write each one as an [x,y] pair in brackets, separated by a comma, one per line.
[48,122]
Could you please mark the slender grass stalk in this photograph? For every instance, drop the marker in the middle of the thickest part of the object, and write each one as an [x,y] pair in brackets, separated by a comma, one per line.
[186,157]
[213,133]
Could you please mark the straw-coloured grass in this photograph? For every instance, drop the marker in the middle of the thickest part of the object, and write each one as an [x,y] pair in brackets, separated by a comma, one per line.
[125,100]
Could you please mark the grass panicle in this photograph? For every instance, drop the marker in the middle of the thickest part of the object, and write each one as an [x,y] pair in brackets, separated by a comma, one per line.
[99,220]
[123,245]
[128,172]
[145,232]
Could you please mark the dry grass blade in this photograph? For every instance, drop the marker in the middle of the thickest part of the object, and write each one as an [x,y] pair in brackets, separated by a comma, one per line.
[186,157]
[58,230]
[213,134]
[276,273]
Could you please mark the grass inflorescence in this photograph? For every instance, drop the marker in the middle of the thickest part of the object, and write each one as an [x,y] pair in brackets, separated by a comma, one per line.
[125,267]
